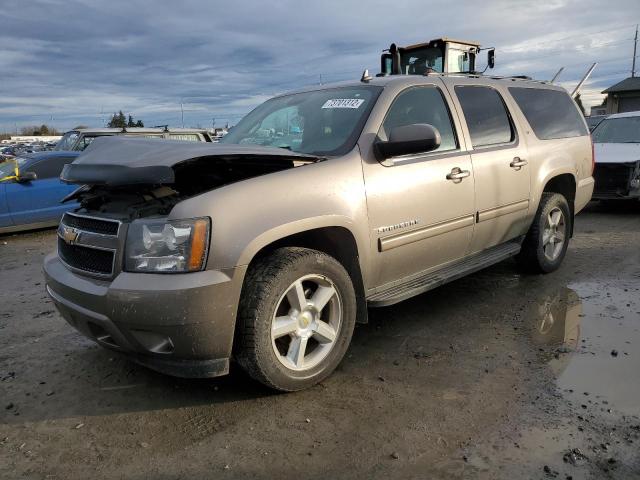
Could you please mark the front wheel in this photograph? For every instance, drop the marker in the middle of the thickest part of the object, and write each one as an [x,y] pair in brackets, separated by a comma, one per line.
[546,242]
[296,318]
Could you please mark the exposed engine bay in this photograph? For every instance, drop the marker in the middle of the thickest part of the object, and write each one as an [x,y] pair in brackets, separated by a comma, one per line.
[191,178]
[157,175]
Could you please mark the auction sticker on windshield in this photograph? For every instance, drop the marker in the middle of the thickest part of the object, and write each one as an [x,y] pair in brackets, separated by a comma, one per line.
[343,103]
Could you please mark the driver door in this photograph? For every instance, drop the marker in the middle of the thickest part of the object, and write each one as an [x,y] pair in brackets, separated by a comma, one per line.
[421,218]
[38,201]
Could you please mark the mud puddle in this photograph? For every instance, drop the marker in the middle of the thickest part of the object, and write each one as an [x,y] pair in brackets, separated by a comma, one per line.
[596,329]
[587,425]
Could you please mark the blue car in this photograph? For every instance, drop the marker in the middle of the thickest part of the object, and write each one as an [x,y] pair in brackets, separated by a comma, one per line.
[31,191]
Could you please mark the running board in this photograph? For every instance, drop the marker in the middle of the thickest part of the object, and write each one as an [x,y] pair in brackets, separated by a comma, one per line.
[407,289]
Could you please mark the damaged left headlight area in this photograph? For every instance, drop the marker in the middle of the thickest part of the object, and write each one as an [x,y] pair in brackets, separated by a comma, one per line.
[167,246]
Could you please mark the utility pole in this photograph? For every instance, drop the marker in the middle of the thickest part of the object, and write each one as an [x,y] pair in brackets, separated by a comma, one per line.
[635,49]
[182,112]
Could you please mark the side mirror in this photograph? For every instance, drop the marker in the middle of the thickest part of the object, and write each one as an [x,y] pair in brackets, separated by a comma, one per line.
[491,58]
[409,139]
[25,177]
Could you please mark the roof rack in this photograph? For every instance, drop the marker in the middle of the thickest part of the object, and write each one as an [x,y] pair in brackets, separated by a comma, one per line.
[493,77]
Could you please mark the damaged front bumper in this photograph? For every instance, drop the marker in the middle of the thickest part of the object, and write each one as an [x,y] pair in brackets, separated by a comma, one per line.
[617,181]
[178,324]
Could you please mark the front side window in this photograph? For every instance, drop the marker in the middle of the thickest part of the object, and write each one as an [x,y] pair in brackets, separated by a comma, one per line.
[459,60]
[486,115]
[84,142]
[320,122]
[421,105]
[551,113]
[618,130]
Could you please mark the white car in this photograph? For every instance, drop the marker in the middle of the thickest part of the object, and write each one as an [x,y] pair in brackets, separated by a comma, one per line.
[616,142]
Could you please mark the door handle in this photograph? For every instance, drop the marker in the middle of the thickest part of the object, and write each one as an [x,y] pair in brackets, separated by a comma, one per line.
[518,163]
[457,175]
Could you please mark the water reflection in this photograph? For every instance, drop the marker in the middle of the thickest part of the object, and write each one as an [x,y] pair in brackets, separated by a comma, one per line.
[558,319]
[596,329]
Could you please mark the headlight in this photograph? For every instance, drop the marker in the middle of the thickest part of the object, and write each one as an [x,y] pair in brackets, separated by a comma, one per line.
[167,245]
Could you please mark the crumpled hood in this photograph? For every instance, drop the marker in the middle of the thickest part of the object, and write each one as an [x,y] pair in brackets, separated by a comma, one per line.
[121,160]
[617,152]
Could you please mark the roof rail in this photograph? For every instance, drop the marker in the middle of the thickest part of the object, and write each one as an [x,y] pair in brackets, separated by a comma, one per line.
[494,77]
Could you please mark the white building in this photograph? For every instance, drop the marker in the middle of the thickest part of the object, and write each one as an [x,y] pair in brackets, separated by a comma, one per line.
[32,139]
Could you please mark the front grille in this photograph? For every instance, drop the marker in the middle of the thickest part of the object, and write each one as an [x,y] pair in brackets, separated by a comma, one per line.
[612,179]
[88,259]
[94,225]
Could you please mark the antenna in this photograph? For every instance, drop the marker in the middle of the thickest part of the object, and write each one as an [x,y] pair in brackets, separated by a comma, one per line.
[555,77]
[584,79]
[366,78]
[635,49]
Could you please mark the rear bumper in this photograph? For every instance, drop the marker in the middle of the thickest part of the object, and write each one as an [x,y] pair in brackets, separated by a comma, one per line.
[180,324]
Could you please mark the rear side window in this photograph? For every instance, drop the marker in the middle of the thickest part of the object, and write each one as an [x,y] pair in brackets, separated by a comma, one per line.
[421,105]
[551,113]
[486,115]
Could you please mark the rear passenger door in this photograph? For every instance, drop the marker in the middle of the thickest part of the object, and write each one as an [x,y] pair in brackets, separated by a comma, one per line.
[499,157]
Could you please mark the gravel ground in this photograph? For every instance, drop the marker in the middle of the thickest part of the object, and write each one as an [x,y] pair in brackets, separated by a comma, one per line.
[498,375]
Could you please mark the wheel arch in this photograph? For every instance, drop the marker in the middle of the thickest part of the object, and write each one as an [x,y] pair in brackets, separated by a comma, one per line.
[336,241]
[564,184]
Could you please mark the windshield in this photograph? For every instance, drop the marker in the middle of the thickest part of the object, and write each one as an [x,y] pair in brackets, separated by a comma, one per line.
[321,122]
[66,142]
[618,130]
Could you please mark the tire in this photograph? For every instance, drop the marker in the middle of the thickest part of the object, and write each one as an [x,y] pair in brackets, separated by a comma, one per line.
[273,288]
[536,255]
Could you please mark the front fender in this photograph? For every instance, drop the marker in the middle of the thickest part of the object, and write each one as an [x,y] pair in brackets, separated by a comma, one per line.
[248,215]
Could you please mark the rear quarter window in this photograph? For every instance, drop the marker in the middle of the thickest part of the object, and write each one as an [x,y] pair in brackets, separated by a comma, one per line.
[551,113]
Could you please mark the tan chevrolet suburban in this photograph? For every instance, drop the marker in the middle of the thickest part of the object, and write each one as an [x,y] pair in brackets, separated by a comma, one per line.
[268,247]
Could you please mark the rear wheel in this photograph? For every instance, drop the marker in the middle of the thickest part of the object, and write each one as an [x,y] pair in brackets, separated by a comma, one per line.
[546,242]
[296,318]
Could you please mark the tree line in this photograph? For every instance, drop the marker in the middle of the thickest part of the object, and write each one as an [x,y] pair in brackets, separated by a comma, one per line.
[118,120]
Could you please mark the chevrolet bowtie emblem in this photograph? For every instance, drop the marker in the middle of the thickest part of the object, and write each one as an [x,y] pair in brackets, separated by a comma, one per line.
[70,234]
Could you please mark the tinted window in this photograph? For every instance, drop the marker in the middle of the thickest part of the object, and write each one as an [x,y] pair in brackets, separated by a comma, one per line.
[421,105]
[486,115]
[84,142]
[551,113]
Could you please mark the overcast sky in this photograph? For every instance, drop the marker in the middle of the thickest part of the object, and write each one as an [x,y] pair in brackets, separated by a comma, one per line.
[75,62]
